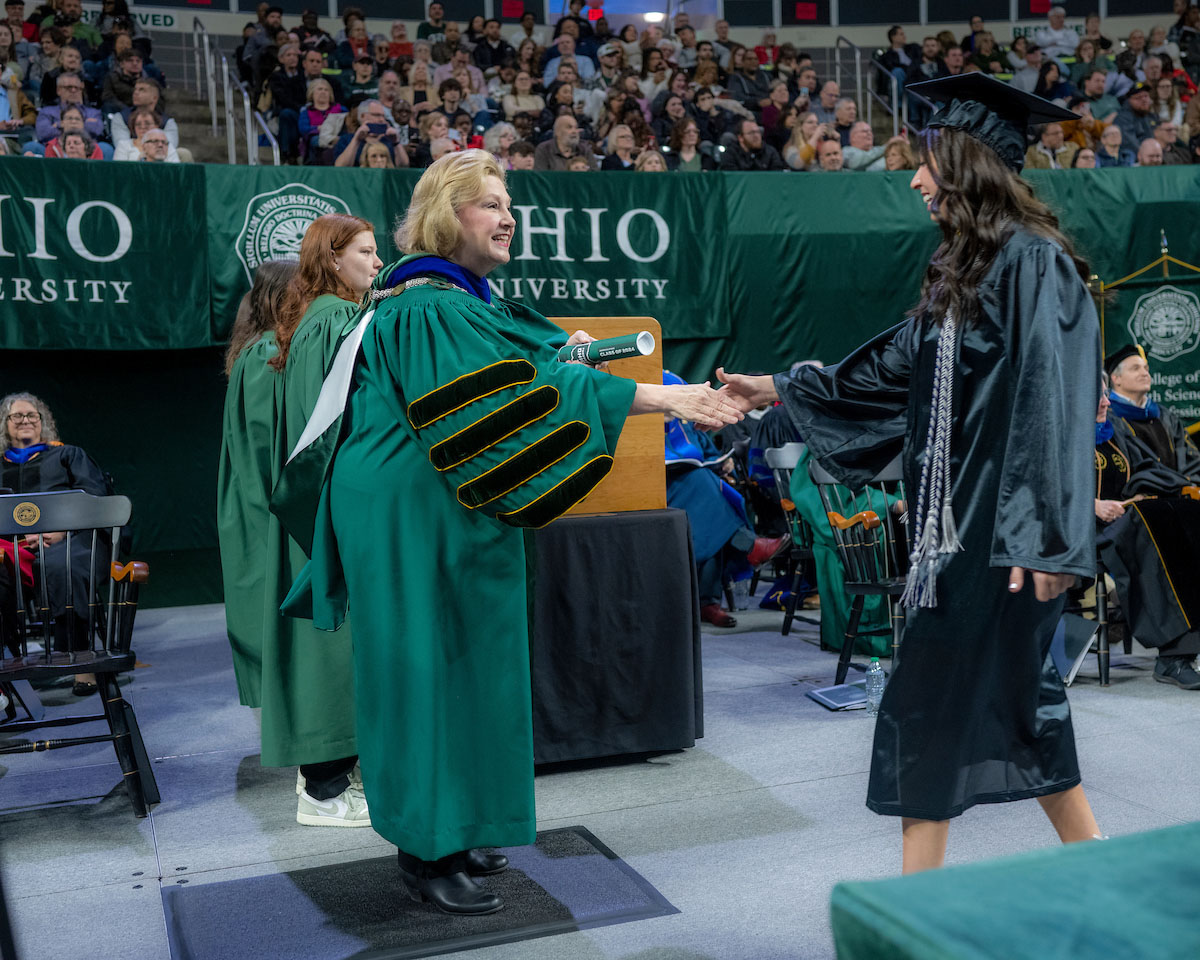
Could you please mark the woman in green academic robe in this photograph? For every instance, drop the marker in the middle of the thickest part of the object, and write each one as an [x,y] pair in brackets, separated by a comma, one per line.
[245,471]
[308,701]
[461,428]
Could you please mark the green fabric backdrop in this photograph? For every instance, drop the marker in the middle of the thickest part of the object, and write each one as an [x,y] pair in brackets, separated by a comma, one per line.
[760,270]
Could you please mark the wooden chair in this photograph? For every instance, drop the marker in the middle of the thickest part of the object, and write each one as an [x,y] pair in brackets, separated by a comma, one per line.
[782,461]
[872,545]
[107,651]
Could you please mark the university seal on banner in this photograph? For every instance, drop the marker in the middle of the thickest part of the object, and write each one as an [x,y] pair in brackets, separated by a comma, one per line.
[1166,322]
[26,514]
[276,222]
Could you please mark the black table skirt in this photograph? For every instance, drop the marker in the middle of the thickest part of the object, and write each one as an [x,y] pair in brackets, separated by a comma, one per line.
[615,647]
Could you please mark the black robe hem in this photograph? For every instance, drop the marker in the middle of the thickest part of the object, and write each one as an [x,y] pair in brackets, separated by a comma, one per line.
[895,810]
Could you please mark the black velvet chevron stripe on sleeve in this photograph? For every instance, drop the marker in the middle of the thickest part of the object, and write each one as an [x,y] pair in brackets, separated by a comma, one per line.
[559,499]
[498,425]
[524,466]
[467,389]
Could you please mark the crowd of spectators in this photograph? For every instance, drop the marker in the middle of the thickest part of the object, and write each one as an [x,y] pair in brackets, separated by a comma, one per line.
[70,88]
[578,96]
[583,96]
[1133,97]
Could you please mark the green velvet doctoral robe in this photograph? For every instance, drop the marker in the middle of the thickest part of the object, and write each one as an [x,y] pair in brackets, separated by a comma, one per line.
[243,491]
[462,427]
[308,674]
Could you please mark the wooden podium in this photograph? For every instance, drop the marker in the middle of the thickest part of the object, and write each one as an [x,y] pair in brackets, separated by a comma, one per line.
[638,480]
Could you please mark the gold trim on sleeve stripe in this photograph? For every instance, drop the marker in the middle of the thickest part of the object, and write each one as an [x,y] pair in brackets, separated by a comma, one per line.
[524,399]
[520,372]
[547,441]
[508,517]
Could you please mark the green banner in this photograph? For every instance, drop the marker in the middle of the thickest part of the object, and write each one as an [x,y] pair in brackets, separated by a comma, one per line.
[1163,315]
[261,213]
[102,256]
[599,246]
[621,245]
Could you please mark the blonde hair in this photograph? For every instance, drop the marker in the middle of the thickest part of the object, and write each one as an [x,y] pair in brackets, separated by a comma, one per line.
[431,224]
[610,144]
[365,159]
[321,82]
[645,158]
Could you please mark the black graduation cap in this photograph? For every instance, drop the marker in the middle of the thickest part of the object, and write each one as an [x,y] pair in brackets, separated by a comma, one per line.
[1113,360]
[989,110]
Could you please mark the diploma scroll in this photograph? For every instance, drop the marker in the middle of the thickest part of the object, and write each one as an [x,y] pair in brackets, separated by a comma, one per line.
[614,348]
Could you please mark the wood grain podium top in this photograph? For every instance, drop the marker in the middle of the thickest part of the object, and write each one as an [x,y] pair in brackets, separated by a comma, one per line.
[638,480]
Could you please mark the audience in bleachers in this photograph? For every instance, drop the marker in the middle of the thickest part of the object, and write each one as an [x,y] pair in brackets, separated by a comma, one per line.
[647,77]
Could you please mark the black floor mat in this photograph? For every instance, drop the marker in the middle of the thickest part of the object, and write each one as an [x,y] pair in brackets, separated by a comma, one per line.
[568,880]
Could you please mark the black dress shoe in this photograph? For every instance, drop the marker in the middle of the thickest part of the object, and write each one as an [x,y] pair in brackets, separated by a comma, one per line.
[454,893]
[480,864]
[82,689]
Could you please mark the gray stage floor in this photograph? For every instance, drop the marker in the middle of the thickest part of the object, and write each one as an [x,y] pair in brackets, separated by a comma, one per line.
[746,834]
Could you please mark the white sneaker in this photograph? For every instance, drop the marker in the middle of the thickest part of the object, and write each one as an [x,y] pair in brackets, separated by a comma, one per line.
[355,779]
[347,809]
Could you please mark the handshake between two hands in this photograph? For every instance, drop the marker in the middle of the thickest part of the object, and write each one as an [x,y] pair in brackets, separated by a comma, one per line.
[699,403]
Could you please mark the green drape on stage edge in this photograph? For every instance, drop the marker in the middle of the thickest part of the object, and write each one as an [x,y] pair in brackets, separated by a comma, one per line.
[762,270]
[1127,897]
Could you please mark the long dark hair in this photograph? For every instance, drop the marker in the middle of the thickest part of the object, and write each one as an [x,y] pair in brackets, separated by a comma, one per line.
[979,203]
[1043,87]
[259,310]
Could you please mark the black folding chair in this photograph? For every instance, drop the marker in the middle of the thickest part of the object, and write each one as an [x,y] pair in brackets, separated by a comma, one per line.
[782,461]
[105,651]
[872,545]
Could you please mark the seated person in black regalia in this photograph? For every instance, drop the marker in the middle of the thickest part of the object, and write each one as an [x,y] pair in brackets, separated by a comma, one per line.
[1156,428]
[35,461]
[1150,543]
[722,537]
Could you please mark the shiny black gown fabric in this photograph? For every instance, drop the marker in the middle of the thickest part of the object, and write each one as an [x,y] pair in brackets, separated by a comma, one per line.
[975,711]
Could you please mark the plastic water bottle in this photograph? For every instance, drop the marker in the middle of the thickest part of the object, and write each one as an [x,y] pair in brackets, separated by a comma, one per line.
[875,684]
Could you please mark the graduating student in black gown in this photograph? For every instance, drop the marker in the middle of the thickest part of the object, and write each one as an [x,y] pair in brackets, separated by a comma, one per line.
[988,391]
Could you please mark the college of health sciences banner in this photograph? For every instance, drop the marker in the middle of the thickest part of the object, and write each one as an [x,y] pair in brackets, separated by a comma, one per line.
[94,261]
[1163,315]
[620,244]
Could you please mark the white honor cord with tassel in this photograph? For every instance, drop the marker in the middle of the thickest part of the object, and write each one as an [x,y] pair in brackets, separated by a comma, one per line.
[934,531]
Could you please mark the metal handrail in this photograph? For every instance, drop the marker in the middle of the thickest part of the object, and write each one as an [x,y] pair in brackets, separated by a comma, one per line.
[229,81]
[899,118]
[262,125]
[889,106]
[837,67]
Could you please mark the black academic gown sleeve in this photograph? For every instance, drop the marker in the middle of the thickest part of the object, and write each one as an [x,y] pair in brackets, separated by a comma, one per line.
[853,415]
[1045,516]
